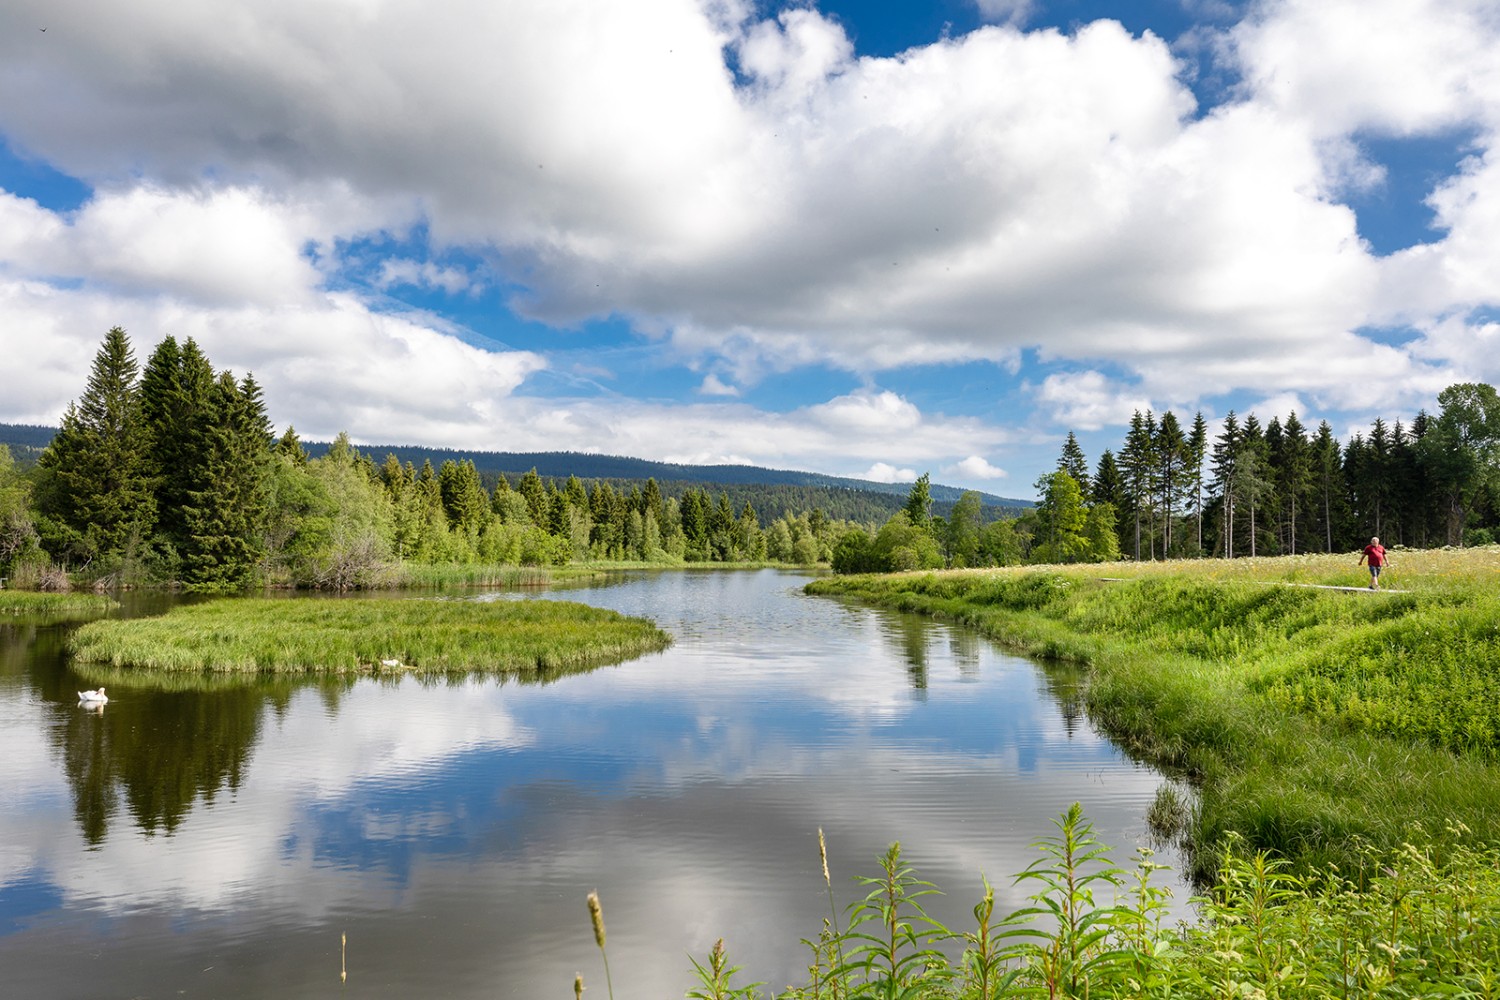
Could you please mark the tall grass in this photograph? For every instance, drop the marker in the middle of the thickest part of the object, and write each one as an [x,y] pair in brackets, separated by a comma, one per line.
[1309,719]
[333,636]
[1418,926]
[40,608]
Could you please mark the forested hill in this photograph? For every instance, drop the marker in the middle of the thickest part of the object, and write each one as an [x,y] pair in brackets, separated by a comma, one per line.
[25,441]
[770,491]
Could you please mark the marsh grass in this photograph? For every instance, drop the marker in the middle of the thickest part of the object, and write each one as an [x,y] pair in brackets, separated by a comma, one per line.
[262,635]
[1416,926]
[31,608]
[431,576]
[1308,720]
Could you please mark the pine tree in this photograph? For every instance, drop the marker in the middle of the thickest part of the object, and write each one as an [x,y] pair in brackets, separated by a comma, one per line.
[1074,464]
[177,390]
[1226,454]
[93,491]
[1328,479]
[1137,462]
[290,445]
[1197,449]
[919,502]
[1171,460]
[225,516]
[1294,476]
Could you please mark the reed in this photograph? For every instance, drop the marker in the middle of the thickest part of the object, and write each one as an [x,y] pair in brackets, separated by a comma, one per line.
[1308,720]
[267,635]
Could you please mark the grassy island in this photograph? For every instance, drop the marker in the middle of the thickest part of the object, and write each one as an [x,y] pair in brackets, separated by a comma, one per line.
[1317,724]
[32,608]
[268,635]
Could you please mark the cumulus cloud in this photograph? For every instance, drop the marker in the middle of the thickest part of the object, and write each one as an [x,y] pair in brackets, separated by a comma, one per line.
[757,195]
[1088,400]
[424,274]
[881,472]
[713,386]
[975,467]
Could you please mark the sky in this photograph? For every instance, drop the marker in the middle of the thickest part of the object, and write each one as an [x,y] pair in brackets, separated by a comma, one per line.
[867,238]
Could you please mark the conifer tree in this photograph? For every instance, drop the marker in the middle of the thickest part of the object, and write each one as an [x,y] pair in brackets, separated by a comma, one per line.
[1197,450]
[1327,471]
[93,491]
[1073,463]
[225,511]
[177,390]
[919,502]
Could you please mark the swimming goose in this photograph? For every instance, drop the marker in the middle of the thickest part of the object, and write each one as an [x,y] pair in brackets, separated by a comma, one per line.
[92,697]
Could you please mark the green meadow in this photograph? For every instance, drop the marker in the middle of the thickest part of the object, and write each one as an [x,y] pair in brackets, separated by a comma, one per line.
[425,636]
[1315,724]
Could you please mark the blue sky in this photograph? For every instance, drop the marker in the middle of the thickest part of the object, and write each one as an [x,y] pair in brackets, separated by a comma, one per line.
[864,238]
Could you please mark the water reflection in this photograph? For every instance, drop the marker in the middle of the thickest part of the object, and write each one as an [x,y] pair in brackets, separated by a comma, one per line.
[451,828]
[161,752]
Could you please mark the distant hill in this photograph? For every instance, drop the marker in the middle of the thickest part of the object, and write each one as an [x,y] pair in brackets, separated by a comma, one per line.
[770,490]
[25,441]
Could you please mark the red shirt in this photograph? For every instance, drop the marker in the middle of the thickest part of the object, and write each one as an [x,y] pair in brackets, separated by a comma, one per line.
[1376,554]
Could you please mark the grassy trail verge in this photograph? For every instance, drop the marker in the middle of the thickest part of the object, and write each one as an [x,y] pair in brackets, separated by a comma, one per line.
[1315,724]
[259,635]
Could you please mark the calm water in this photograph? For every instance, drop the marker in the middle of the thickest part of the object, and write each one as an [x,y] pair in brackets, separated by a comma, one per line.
[217,844]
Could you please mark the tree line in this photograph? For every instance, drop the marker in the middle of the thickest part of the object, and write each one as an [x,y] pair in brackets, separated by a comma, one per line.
[171,472]
[1251,489]
[1279,489]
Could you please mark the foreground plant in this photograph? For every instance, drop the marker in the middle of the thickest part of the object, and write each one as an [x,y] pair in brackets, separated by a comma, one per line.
[1420,927]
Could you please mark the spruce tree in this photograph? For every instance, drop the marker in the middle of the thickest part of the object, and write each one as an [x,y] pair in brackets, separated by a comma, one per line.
[93,491]
[919,502]
[1074,464]
[177,389]
[226,509]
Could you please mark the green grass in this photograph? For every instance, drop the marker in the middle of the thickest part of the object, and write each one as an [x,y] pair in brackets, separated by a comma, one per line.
[1310,720]
[1418,926]
[416,576]
[267,635]
[34,608]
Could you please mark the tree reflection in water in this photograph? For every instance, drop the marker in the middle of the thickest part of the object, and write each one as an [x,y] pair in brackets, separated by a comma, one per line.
[161,751]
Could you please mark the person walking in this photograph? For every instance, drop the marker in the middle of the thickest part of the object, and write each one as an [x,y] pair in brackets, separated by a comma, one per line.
[1374,553]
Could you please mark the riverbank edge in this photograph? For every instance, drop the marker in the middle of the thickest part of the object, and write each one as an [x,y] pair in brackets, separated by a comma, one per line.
[1312,793]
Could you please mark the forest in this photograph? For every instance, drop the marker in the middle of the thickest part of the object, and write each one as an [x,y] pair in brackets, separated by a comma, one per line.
[171,473]
[1280,489]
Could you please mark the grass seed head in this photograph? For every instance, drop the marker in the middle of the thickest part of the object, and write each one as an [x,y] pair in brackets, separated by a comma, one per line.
[596,914]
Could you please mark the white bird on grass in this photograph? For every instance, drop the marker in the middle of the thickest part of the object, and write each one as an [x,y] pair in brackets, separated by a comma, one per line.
[92,697]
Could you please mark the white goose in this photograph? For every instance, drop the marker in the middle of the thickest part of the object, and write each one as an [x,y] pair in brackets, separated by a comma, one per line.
[93,697]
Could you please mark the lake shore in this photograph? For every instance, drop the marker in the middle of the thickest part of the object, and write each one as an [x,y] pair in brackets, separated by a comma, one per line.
[1315,724]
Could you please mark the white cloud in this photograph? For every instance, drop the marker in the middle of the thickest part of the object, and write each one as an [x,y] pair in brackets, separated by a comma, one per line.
[713,386]
[880,472]
[1015,12]
[1087,401]
[975,467]
[424,274]
[969,199]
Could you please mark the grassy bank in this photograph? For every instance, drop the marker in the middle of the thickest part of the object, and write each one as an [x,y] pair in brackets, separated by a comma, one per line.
[1312,722]
[1416,927]
[337,636]
[34,608]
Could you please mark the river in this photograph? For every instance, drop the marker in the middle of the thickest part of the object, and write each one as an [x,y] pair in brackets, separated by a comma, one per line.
[218,844]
